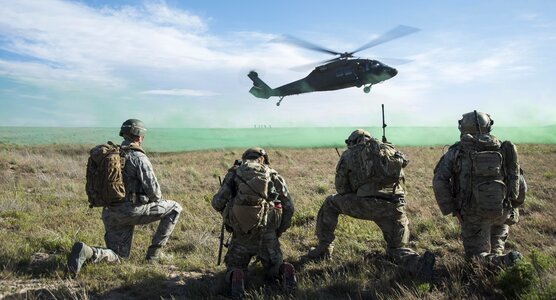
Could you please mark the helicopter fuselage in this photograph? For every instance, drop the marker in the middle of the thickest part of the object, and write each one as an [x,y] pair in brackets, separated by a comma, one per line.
[339,75]
[336,75]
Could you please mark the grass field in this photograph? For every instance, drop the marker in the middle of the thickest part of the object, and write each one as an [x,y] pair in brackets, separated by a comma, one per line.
[43,211]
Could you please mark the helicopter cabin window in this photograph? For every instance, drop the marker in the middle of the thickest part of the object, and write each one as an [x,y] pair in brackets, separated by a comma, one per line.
[344,72]
[322,68]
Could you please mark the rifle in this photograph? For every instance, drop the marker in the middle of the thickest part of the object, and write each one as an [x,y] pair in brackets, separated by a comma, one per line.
[222,228]
[383,126]
[337,151]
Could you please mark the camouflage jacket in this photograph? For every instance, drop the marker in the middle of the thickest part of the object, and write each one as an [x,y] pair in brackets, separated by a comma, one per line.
[227,192]
[450,178]
[139,177]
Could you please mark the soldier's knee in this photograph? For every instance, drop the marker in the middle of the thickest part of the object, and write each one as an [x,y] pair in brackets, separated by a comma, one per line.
[328,202]
[175,213]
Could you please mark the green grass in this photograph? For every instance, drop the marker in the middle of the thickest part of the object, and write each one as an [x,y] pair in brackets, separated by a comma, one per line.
[43,211]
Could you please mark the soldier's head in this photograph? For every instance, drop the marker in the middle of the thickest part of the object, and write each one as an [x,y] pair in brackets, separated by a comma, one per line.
[358,136]
[256,153]
[133,130]
[475,123]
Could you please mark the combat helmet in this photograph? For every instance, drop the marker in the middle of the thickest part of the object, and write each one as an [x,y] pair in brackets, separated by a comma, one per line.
[254,153]
[357,136]
[133,127]
[475,123]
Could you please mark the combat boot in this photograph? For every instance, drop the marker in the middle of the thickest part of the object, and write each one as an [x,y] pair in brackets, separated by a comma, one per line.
[154,254]
[238,289]
[322,251]
[425,266]
[511,258]
[287,278]
[80,253]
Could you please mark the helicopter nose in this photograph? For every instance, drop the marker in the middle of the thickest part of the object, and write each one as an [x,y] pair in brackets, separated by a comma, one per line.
[393,72]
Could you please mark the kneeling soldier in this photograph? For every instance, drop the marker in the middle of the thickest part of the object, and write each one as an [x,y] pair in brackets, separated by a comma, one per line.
[257,208]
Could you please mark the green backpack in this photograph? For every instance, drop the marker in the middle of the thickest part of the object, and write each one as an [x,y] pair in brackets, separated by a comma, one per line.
[104,184]
[380,164]
[490,177]
[253,205]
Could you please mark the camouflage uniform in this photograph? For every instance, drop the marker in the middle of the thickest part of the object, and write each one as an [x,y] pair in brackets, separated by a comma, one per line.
[483,237]
[366,201]
[260,242]
[484,234]
[143,205]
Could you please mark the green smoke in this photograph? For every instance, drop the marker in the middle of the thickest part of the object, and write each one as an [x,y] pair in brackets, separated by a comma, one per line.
[184,139]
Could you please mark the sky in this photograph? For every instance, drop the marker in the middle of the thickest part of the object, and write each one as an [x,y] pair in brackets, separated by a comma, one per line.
[95,63]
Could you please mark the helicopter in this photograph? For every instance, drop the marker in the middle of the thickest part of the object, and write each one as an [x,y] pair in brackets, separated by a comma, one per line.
[341,72]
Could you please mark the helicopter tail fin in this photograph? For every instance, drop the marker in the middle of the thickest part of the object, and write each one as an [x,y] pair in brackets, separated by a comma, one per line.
[259,89]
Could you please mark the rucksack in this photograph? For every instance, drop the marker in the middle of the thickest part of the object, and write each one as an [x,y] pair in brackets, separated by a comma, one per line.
[104,184]
[253,196]
[489,175]
[378,163]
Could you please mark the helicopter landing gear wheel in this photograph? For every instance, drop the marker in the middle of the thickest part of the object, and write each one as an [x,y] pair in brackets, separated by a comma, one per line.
[367,89]
[279,101]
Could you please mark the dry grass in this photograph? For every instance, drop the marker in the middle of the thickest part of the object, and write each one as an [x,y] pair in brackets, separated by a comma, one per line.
[43,210]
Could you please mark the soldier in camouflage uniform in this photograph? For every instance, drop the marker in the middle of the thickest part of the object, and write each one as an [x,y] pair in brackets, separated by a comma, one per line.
[483,236]
[259,242]
[383,205]
[143,204]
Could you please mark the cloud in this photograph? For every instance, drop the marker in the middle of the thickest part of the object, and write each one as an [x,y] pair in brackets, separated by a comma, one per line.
[180,92]
[156,50]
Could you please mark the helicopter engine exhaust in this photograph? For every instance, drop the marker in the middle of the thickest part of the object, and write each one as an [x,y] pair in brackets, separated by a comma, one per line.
[259,89]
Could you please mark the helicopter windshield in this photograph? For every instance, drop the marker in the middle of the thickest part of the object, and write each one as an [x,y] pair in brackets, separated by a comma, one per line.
[372,64]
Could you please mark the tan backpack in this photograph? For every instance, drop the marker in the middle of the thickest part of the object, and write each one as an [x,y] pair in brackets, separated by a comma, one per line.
[252,200]
[105,184]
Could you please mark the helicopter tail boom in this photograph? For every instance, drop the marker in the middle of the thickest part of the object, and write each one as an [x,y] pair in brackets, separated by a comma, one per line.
[259,89]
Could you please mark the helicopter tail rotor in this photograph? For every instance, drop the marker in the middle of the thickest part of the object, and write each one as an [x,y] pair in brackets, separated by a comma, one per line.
[260,89]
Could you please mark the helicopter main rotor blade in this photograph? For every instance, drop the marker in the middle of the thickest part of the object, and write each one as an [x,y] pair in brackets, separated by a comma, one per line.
[303,44]
[397,32]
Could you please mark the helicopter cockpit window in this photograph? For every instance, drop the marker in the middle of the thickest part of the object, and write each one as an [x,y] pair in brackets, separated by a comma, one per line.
[322,68]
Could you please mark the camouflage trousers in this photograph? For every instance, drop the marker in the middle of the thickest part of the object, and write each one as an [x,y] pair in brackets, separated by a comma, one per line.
[264,245]
[119,224]
[388,215]
[485,238]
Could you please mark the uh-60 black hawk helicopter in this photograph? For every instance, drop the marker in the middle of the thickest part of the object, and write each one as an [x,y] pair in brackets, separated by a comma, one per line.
[338,73]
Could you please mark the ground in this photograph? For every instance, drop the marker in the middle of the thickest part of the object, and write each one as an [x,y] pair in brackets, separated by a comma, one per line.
[43,211]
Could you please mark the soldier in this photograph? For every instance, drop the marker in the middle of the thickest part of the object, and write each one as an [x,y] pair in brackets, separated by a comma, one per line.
[478,182]
[371,195]
[143,204]
[257,208]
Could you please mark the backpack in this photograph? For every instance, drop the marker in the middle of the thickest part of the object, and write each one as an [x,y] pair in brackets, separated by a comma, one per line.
[104,184]
[380,164]
[489,175]
[254,195]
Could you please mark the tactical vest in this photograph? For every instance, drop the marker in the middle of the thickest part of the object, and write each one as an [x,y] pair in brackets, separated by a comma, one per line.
[378,168]
[487,176]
